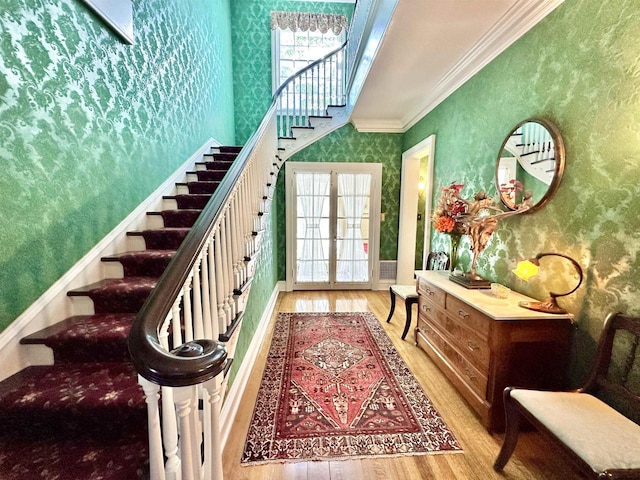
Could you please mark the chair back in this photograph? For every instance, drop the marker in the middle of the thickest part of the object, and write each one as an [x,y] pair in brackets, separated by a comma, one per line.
[615,375]
[437,261]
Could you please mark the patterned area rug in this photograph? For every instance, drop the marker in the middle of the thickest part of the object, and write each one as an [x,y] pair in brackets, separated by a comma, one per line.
[335,387]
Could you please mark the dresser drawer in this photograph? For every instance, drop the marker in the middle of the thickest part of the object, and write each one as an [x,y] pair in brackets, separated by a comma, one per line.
[469,317]
[472,377]
[431,293]
[475,348]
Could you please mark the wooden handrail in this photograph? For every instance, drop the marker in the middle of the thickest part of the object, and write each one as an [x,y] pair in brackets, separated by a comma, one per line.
[150,359]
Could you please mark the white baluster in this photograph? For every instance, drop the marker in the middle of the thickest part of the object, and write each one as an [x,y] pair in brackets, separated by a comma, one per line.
[222,319]
[176,329]
[212,454]
[229,269]
[183,398]
[170,435]
[225,269]
[206,301]
[156,455]
[187,312]
[197,298]
[213,307]
[234,242]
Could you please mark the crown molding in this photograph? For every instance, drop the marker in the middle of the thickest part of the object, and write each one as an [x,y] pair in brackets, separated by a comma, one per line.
[378,125]
[517,21]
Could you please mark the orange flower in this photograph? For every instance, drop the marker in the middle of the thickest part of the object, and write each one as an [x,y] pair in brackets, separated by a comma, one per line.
[444,224]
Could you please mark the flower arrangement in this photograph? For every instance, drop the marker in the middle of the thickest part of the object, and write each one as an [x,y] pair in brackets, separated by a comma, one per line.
[449,214]
[477,218]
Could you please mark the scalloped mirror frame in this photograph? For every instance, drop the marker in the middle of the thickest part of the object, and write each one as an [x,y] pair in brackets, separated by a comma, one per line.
[560,156]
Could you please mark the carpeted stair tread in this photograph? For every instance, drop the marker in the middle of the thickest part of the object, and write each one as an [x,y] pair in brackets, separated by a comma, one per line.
[168,238]
[145,263]
[178,218]
[230,148]
[210,175]
[86,338]
[71,396]
[218,164]
[88,455]
[220,157]
[201,187]
[190,201]
[117,295]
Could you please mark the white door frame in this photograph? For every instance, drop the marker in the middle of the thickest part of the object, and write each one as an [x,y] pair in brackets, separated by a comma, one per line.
[408,225]
[375,169]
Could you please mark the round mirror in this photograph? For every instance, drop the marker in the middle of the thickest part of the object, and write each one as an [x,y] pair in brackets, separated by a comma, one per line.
[530,165]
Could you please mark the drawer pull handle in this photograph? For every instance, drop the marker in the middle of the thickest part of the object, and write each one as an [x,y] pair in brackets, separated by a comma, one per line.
[469,374]
[463,314]
[473,347]
[425,308]
[430,292]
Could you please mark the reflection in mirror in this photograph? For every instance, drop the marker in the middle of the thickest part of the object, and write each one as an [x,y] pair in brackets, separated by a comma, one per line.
[530,165]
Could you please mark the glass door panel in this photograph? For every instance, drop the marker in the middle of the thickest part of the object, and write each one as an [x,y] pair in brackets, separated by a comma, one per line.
[353,227]
[312,227]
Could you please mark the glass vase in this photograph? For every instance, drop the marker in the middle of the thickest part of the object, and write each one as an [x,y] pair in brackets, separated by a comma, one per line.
[454,243]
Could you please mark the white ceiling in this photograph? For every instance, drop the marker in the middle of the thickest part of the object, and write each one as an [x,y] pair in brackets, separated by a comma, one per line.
[431,48]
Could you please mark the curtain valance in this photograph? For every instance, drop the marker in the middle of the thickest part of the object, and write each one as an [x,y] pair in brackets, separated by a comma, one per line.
[303,21]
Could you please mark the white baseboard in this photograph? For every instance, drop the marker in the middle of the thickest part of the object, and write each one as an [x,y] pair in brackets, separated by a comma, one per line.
[54,306]
[232,402]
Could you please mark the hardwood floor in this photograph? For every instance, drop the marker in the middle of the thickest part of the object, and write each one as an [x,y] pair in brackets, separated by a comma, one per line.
[532,460]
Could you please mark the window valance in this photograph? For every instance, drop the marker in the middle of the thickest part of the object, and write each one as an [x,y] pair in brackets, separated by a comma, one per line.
[303,21]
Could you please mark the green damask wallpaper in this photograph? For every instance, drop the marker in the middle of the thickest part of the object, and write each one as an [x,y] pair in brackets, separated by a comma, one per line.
[348,145]
[89,126]
[251,30]
[579,68]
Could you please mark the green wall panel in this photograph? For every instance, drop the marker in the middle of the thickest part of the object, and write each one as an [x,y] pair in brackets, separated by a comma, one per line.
[579,68]
[89,126]
[346,144]
[252,55]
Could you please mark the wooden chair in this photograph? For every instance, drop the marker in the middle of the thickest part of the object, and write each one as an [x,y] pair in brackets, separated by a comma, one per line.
[408,293]
[592,430]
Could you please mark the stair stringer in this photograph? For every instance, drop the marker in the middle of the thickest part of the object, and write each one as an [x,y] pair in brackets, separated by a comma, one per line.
[337,116]
[54,305]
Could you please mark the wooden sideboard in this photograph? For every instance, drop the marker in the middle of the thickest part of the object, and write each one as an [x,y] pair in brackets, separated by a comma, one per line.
[484,344]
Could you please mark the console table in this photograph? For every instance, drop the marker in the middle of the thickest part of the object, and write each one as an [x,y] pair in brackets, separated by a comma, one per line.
[484,344]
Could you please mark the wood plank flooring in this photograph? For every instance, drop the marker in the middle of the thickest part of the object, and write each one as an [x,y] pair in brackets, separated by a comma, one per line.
[532,460]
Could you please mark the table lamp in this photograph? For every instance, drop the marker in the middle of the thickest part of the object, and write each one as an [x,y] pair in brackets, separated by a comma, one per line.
[528,268]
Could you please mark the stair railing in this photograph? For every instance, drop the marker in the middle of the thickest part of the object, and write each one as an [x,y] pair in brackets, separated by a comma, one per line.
[308,92]
[185,334]
[181,338]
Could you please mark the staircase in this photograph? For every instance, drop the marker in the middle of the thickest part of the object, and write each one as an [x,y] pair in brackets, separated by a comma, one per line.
[85,416]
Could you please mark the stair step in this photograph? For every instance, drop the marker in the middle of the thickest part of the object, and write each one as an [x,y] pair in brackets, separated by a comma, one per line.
[230,148]
[72,421]
[49,454]
[146,263]
[76,394]
[168,238]
[188,201]
[120,295]
[178,218]
[216,164]
[220,157]
[86,338]
[200,187]
[210,175]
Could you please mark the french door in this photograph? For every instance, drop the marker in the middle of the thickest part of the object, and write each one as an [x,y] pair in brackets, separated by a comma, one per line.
[333,218]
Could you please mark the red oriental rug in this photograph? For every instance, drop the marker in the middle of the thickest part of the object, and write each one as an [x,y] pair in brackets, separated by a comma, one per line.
[335,387]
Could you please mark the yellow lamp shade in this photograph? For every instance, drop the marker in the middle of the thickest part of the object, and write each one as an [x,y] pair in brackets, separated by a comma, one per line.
[526,269]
